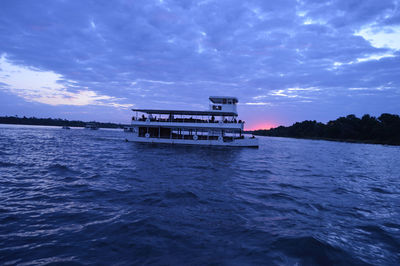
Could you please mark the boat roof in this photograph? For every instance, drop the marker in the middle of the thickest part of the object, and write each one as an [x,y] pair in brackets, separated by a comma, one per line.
[218,99]
[185,112]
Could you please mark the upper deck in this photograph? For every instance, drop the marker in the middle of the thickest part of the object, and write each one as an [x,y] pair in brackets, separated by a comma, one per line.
[219,106]
[222,114]
[185,112]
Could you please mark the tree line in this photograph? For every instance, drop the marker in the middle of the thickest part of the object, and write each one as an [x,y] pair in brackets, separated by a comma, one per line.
[52,122]
[384,129]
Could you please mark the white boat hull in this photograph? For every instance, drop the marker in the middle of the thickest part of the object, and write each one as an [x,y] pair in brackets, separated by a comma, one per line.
[245,142]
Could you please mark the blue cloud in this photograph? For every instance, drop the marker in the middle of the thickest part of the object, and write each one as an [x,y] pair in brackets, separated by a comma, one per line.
[176,53]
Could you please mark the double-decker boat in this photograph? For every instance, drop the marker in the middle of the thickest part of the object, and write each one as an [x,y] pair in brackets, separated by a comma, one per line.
[219,126]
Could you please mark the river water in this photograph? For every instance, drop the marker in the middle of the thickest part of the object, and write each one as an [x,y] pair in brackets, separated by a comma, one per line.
[88,197]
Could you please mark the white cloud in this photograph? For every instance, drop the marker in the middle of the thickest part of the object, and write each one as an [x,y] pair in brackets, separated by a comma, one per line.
[379,88]
[358,89]
[92,24]
[260,97]
[283,93]
[153,81]
[259,103]
[49,88]
[364,59]
[375,57]
[295,92]
[382,37]
[303,89]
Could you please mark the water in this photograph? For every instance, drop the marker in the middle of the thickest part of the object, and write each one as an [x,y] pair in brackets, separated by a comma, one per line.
[87,197]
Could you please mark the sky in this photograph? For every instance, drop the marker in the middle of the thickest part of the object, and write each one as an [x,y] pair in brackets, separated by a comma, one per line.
[286,60]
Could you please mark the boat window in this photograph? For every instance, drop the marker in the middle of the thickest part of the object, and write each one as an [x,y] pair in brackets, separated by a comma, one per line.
[216,107]
[224,101]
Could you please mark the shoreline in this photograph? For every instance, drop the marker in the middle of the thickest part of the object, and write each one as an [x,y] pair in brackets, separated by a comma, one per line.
[376,142]
[34,121]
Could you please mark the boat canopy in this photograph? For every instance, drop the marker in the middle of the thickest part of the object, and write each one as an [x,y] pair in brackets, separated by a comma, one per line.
[223,99]
[185,112]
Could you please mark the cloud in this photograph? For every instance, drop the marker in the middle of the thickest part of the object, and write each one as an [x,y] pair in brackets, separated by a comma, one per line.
[49,88]
[174,54]
[381,37]
[259,103]
[296,92]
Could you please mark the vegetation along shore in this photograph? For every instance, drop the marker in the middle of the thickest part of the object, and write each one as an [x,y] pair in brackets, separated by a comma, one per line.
[384,129]
[52,122]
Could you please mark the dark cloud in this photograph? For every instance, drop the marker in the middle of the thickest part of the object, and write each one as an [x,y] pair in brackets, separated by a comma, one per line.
[155,53]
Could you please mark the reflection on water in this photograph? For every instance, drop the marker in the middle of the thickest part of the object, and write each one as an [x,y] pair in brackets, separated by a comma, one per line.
[89,197]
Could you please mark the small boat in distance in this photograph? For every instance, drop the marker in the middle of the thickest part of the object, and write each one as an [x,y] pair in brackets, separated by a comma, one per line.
[218,126]
[66,127]
[91,126]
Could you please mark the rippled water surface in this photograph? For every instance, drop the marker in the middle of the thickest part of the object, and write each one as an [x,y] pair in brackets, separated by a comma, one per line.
[88,197]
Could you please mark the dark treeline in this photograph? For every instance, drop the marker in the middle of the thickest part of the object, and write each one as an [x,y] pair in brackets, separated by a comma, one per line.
[384,130]
[51,122]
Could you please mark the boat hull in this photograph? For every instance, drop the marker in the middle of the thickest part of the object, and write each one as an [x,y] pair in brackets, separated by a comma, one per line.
[246,142]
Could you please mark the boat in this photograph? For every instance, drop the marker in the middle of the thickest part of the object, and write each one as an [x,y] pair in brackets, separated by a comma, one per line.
[91,126]
[218,126]
[66,127]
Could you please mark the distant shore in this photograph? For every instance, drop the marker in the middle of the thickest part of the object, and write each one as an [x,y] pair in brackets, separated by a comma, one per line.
[33,121]
[331,139]
[384,129]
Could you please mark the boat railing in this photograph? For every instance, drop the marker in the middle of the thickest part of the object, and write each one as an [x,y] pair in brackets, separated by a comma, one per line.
[188,120]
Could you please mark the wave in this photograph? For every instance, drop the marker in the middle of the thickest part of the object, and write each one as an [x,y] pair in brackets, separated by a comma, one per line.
[58,167]
[312,251]
[380,190]
[180,195]
[61,169]
[382,235]
[169,197]
[6,164]
[276,195]
[285,185]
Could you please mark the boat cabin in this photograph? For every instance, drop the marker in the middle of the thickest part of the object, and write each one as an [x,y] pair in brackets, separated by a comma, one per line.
[223,104]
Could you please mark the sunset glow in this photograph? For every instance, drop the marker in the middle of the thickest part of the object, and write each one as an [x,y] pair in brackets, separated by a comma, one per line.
[262,125]
[285,61]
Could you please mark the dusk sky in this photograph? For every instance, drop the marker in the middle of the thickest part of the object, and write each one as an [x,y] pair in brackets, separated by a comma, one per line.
[285,60]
